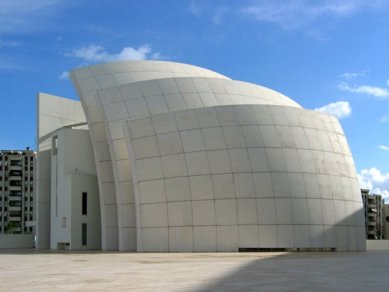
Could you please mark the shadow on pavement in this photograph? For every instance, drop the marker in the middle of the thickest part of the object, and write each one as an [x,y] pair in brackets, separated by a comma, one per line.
[354,271]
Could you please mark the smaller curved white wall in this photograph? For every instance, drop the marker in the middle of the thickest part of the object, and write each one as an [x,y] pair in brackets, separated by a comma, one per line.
[151,97]
[255,176]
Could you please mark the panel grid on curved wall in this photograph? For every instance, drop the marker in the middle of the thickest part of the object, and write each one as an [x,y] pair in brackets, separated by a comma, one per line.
[151,97]
[234,181]
[215,164]
[117,230]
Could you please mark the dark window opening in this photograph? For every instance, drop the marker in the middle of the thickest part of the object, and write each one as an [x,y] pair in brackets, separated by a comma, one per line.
[84,203]
[84,233]
[15,183]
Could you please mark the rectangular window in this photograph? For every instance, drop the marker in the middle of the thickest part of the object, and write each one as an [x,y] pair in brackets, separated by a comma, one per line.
[84,203]
[84,233]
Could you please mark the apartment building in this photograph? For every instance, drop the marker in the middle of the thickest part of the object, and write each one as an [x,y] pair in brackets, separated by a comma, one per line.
[16,191]
[374,215]
[386,221]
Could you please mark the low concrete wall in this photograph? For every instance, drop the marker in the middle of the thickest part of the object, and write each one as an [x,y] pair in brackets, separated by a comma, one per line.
[16,241]
[379,244]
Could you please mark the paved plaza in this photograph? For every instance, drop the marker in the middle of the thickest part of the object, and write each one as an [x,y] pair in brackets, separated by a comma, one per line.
[100,271]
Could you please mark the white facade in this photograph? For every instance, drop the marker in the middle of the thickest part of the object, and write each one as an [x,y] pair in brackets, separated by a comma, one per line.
[73,175]
[189,160]
[53,113]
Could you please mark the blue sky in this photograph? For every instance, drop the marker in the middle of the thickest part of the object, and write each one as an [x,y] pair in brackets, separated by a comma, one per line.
[330,56]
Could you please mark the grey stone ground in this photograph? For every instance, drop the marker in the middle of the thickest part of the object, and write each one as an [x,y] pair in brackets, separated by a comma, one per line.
[47,271]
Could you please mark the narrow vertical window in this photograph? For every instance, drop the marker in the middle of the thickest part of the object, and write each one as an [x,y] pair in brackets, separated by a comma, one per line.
[84,234]
[84,203]
[54,145]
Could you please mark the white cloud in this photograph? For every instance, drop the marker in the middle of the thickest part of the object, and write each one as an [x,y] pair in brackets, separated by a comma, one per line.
[158,56]
[352,75]
[365,89]
[375,181]
[292,14]
[339,109]
[383,147]
[64,75]
[384,119]
[96,53]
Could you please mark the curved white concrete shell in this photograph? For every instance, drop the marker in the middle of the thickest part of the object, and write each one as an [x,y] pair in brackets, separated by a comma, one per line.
[147,98]
[209,149]
[88,81]
[237,180]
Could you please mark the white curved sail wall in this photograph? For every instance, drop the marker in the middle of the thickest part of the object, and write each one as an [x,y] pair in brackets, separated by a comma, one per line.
[88,81]
[303,164]
[147,98]
[239,179]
